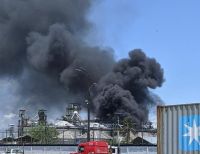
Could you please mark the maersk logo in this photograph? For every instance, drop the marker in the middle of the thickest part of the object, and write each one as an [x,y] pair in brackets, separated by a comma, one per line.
[189,133]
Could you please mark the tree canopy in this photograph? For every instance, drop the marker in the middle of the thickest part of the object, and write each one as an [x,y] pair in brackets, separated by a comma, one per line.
[44,134]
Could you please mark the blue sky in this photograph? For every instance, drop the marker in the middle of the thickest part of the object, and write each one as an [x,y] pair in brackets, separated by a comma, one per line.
[166,30]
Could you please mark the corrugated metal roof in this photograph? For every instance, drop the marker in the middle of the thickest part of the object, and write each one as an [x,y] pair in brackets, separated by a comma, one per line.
[179,129]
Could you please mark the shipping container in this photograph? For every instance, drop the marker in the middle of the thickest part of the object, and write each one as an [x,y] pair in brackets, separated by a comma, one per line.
[178,129]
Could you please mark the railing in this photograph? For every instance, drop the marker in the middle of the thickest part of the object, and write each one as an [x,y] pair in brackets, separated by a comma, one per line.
[67,149]
[76,136]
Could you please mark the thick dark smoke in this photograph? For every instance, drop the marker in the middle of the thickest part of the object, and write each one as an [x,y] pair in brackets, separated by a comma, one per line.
[126,89]
[42,48]
[20,18]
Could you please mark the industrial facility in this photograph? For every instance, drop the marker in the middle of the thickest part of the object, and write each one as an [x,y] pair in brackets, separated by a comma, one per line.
[71,129]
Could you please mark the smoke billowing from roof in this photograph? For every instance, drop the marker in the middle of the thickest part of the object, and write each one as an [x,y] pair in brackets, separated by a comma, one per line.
[42,48]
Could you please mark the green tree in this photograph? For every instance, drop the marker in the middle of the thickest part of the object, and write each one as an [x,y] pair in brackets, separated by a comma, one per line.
[127,127]
[44,134]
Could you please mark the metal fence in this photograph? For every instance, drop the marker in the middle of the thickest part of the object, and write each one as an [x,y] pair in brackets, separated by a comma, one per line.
[63,137]
[68,149]
[74,136]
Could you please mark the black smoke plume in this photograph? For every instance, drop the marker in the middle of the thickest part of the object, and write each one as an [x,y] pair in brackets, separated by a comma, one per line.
[125,90]
[42,47]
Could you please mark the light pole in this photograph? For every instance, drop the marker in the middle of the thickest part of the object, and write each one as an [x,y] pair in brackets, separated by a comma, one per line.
[87,101]
[88,119]
[118,145]
[118,125]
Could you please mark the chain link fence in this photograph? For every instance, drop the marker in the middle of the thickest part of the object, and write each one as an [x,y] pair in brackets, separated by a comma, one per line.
[69,149]
[76,136]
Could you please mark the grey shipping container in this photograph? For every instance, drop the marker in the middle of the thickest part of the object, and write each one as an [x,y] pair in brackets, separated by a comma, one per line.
[178,129]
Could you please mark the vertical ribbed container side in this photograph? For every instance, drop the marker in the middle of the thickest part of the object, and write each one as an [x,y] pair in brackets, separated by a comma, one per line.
[178,129]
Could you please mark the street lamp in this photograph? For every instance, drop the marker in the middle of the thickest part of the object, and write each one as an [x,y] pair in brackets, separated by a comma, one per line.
[118,125]
[87,101]
[88,120]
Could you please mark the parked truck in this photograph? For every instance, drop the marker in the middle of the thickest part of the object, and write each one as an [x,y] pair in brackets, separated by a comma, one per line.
[94,147]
